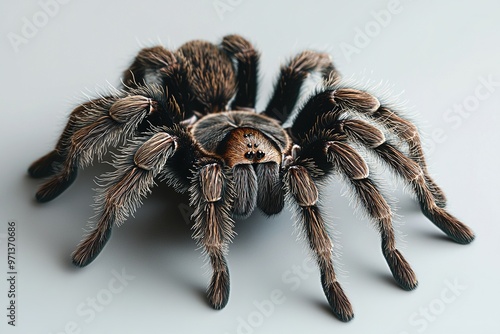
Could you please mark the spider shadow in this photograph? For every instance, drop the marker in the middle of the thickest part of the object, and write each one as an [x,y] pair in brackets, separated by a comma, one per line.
[387,279]
[435,235]
[324,307]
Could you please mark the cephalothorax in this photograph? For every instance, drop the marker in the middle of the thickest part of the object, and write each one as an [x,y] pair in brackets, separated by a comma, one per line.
[187,118]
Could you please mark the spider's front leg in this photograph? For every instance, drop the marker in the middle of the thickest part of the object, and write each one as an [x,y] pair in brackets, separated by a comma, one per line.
[302,188]
[211,195]
[123,189]
[92,128]
[98,124]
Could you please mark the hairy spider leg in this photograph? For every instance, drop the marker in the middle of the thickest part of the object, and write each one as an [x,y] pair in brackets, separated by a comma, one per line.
[331,151]
[301,187]
[49,164]
[149,67]
[122,190]
[211,196]
[92,128]
[413,176]
[154,77]
[292,76]
[248,69]
[343,101]
[327,125]
[408,132]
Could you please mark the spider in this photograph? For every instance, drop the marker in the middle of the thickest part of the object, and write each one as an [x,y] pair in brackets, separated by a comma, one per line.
[188,118]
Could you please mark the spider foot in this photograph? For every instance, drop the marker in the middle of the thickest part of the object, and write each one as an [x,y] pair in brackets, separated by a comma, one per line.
[401,270]
[89,248]
[44,166]
[450,225]
[337,299]
[218,291]
[55,186]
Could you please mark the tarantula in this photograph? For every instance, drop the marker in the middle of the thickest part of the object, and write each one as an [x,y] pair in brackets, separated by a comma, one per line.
[188,118]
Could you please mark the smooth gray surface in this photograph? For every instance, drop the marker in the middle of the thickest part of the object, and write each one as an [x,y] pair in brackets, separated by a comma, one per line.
[432,55]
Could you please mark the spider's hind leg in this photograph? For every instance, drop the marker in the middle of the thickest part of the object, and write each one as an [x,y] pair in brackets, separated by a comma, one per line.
[333,103]
[149,67]
[408,132]
[412,173]
[292,77]
[248,66]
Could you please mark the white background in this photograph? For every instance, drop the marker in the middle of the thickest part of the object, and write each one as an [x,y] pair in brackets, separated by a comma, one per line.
[434,56]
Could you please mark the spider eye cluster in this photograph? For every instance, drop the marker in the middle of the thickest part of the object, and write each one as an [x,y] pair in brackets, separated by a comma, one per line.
[248,146]
[250,155]
[253,144]
[241,138]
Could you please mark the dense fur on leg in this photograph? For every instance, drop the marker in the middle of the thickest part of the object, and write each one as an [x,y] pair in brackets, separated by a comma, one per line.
[211,195]
[380,212]
[350,164]
[292,76]
[325,110]
[322,131]
[408,132]
[302,189]
[411,172]
[374,139]
[248,71]
[96,126]
[122,190]
[149,67]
